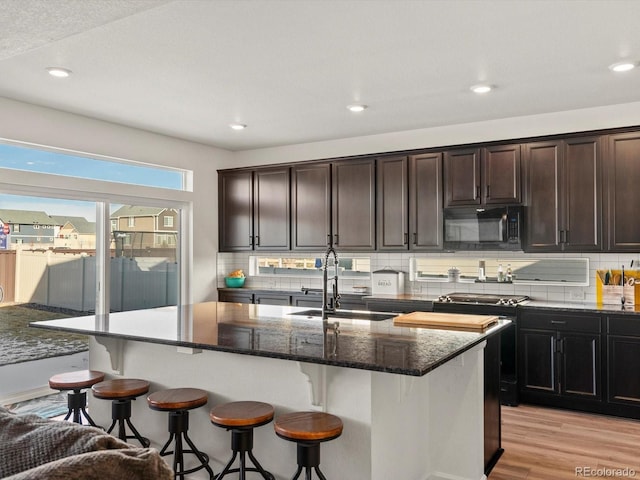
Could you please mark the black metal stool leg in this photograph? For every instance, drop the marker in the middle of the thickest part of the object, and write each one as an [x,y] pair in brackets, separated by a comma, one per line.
[242,445]
[319,473]
[203,457]
[226,468]
[178,427]
[308,460]
[297,474]
[121,414]
[76,401]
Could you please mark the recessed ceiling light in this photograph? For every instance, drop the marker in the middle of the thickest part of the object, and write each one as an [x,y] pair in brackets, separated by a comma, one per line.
[481,88]
[59,72]
[238,126]
[356,108]
[622,66]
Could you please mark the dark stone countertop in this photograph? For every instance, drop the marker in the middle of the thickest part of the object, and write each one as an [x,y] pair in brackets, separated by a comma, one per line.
[277,332]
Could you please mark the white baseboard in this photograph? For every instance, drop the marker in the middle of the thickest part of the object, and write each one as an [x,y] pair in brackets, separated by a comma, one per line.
[27,395]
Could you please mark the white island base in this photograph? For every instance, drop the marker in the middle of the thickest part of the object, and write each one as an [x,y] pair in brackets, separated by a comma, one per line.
[395,426]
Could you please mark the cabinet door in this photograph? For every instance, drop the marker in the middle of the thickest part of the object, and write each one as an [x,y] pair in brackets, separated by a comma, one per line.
[271,209]
[235,297]
[542,162]
[272,299]
[501,175]
[425,201]
[623,171]
[581,359]
[354,205]
[582,195]
[623,365]
[393,201]
[537,361]
[312,301]
[311,206]
[462,177]
[235,210]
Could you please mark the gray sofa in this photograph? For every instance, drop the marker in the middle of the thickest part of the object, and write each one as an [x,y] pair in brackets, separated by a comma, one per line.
[32,448]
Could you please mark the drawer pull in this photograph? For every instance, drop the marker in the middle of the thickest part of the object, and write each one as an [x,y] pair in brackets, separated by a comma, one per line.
[558,322]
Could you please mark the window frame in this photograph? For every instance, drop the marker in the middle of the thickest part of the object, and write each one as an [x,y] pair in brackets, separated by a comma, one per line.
[104,193]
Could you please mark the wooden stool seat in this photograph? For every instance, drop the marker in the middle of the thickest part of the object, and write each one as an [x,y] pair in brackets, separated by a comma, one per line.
[178,402]
[308,430]
[241,414]
[308,426]
[76,398]
[177,399]
[241,418]
[120,388]
[75,380]
[121,391]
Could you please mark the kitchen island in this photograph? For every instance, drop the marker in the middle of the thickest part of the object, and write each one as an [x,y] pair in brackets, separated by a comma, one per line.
[411,399]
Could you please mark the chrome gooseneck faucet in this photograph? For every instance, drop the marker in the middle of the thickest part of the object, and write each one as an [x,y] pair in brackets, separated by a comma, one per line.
[330,305]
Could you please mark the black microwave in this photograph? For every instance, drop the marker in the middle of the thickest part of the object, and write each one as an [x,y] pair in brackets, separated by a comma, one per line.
[490,228]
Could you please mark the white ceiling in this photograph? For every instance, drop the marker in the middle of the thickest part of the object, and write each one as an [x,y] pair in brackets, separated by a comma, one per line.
[287,69]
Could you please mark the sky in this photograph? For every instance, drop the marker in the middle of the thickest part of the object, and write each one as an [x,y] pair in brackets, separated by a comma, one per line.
[42,161]
[30,159]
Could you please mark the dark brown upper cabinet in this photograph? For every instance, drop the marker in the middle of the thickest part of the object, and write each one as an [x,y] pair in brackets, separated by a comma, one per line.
[564,195]
[500,175]
[254,209]
[235,201]
[272,209]
[334,204]
[623,191]
[462,177]
[393,203]
[425,201]
[311,206]
[409,196]
[354,204]
[486,176]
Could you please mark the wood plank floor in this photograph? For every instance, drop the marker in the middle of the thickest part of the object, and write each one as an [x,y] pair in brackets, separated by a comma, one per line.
[550,444]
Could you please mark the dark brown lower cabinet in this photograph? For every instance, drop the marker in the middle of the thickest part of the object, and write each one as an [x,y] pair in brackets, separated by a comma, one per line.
[492,430]
[235,296]
[623,363]
[272,299]
[560,358]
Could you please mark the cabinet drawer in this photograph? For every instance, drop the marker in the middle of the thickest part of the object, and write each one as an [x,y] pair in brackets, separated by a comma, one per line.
[629,326]
[560,322]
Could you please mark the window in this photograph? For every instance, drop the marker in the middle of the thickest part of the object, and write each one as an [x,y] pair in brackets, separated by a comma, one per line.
[168,221]
[144,272]
[134,248]
[57,162]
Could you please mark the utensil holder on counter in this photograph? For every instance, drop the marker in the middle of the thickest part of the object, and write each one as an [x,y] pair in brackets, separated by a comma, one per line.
[612,294]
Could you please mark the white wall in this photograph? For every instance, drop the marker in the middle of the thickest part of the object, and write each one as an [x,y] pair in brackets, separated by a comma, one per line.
[29,123]
[44,126]
[508,128]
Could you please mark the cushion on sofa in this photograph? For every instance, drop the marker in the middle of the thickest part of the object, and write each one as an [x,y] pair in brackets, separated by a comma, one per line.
[35,448]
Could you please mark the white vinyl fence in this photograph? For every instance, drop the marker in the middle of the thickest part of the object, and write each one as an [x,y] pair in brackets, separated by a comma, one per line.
[68,280]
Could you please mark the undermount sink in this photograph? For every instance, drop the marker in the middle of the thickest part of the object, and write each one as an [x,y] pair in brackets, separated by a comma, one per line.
[374,317]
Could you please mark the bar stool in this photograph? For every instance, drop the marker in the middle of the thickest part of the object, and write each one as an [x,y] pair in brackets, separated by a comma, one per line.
[121,391]
[241,418]
[178,402]
[308,430]
[74,382]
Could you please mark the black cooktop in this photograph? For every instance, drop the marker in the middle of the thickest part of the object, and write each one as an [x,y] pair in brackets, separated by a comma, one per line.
[482,298]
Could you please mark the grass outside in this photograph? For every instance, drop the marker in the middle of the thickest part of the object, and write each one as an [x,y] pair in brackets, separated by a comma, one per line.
[21,343]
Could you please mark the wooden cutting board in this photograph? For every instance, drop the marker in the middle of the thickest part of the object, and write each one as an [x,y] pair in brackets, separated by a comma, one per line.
[445,320]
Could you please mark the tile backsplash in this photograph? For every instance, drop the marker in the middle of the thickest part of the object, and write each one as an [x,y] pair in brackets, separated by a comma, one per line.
[227,262]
